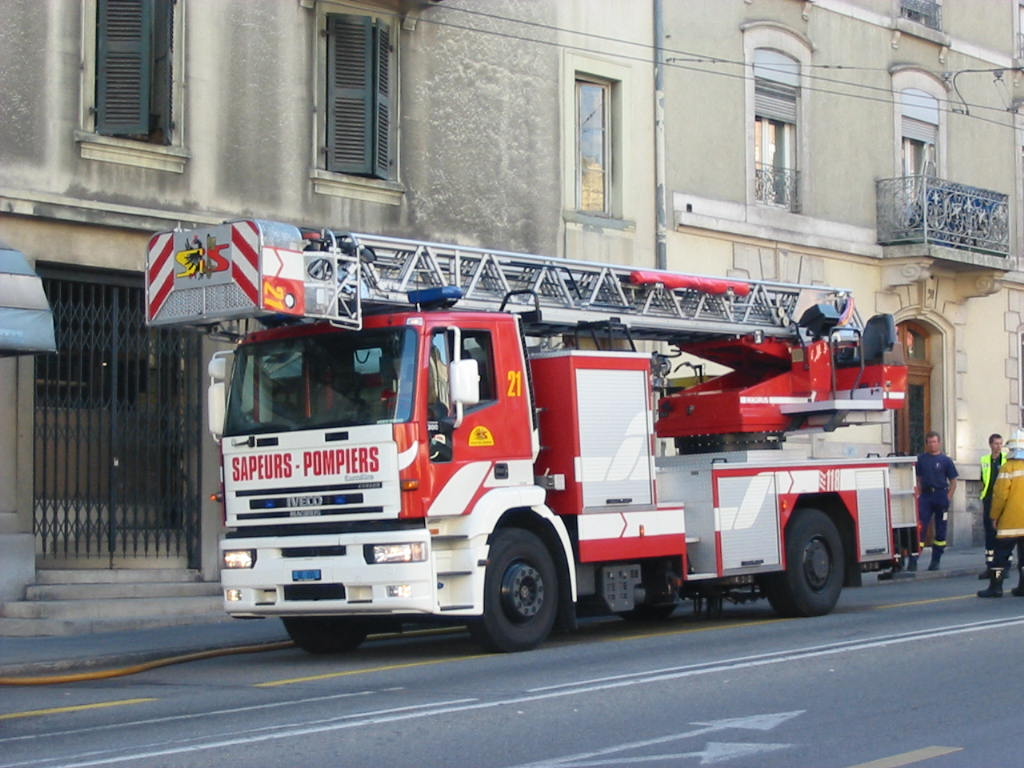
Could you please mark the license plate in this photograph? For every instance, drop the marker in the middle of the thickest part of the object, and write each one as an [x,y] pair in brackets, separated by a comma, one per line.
[305,501]
[310,575]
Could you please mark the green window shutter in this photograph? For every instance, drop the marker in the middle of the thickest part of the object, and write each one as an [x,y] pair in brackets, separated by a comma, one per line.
[161,100]
[124,59]
[350,116]
[382,92]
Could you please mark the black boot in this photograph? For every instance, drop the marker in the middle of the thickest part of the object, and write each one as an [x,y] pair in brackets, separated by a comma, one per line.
[989,557]
[912,565]
[1018,591]
[995,584]
[936,557]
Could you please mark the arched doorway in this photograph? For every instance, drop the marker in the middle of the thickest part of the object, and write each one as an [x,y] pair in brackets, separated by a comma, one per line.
[915,418]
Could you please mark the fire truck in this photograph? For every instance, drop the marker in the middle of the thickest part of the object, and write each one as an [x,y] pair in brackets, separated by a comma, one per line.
[419,431]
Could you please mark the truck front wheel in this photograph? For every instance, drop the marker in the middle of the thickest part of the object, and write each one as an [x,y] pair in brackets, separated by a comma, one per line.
[325,634]
[813,578]
[520,593]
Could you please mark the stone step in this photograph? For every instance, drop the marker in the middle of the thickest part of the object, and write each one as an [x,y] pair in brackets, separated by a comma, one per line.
[101,590]
[114,575]
[113,608]
[140,562]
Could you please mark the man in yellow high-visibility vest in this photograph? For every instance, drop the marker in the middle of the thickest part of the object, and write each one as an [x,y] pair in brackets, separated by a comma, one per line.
[991,462]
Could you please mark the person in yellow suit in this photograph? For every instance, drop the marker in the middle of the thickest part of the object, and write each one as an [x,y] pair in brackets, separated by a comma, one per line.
[1008,517]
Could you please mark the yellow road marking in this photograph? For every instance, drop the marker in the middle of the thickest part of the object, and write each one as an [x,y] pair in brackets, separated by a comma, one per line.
[922,602]
[909,758]
[367,670]
[75,708]
[689,630]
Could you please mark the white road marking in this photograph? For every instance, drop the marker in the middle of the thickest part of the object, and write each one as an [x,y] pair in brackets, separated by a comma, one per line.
[714,752]
[432,709]
[755,722]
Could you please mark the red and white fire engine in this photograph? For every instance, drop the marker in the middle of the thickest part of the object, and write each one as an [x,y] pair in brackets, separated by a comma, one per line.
[415,430]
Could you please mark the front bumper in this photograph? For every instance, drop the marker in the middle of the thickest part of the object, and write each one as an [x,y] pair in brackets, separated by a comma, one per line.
[328,575]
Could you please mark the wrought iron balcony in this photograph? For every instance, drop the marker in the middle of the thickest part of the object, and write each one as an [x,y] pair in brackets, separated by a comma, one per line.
[777,186]
[927,12]
[925,209]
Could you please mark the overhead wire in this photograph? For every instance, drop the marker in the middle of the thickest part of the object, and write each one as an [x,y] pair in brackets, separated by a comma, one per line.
[886,96]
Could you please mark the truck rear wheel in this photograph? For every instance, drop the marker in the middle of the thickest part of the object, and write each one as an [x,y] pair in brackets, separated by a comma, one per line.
[813,578]
[520,593]
[325,634]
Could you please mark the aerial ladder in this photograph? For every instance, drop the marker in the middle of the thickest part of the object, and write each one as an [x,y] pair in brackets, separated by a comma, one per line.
[800,358]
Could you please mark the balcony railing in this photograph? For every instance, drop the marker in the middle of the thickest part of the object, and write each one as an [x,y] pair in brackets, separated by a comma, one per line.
[927,12]
[777,186]
[924,209]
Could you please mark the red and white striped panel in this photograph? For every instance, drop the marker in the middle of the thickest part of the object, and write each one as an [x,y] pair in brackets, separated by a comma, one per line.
[245,262]
[160,272]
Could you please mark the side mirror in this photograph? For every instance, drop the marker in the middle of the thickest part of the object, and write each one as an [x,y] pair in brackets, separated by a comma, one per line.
[216,394]
[464,378]
[216,398]
[218,367]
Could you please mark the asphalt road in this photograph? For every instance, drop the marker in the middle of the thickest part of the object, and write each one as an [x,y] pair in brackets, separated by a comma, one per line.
[900,674]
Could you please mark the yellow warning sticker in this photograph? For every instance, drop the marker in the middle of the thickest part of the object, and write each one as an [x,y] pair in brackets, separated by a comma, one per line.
[480,437]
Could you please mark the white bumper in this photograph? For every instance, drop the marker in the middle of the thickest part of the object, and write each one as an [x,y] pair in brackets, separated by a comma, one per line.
[330,575]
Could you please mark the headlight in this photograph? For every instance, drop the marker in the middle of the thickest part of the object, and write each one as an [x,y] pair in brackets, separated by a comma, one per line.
[239,558]
[413,552]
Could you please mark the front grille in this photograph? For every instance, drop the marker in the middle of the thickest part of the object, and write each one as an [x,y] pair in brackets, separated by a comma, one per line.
[310,512]
[317,529]
[336,551]
[314,592]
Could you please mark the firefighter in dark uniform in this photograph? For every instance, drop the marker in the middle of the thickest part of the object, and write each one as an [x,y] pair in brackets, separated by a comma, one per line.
[936,483]
[1008,516]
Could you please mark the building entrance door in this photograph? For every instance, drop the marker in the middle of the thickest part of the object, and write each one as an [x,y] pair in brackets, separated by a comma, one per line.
[914,419]
[117,427]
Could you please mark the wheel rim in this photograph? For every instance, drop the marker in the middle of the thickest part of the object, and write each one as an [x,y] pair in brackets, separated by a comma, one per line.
[522,592]
[817,563]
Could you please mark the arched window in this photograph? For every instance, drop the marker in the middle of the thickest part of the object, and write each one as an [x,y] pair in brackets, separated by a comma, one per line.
[776,100]
[919,130]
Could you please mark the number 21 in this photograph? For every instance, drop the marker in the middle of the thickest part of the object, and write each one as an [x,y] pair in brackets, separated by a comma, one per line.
[515,383]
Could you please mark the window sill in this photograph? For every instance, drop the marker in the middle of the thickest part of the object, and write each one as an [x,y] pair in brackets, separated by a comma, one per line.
[597,221]
[356,187]
[915,28]
[135,153]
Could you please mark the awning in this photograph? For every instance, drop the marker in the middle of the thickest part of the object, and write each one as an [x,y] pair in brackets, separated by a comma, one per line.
[26,323]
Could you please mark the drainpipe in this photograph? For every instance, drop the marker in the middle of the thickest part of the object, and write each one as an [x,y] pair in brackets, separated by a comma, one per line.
[660,197]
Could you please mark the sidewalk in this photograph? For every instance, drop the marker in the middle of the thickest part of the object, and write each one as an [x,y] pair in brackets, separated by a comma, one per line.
[43,656]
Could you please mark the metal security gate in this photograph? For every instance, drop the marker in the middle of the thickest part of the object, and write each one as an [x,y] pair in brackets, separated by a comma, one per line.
[116,428]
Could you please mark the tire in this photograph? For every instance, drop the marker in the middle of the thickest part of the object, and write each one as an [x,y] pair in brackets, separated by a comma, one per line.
[520,593]
[813,578]
[325,634]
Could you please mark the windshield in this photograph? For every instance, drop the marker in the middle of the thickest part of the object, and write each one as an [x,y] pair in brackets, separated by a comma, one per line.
[324,380]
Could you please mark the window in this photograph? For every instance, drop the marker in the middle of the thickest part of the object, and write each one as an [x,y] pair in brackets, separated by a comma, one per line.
[1019,50]
[359,111]
[475,345]
[134,40]
[919,127]
[776,94]
[593,145]
[926,12]
[324,380]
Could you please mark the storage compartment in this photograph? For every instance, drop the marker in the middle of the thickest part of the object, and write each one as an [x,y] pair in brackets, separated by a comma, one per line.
[595,430]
